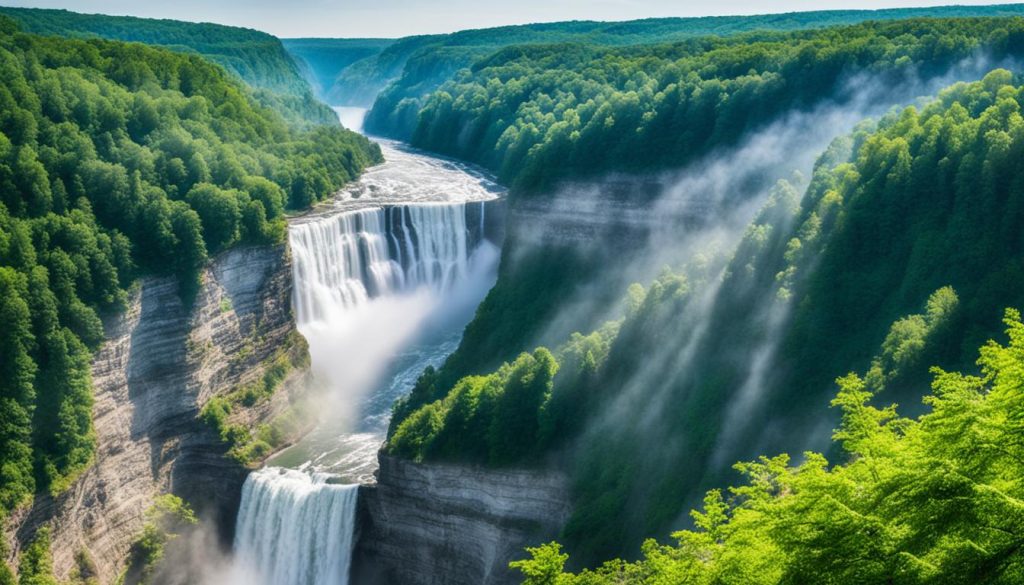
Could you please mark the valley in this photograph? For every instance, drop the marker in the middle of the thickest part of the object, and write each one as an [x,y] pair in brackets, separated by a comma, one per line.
[672,300]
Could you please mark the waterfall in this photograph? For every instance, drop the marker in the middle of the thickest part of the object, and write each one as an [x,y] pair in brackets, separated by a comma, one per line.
[352,272]
[343,260]
[295,528]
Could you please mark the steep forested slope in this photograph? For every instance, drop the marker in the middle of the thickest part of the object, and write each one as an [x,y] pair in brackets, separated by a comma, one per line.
[902,254]
[659,108]
[538,114]
[929,500]
[432,59]
[257,58]
[117,160]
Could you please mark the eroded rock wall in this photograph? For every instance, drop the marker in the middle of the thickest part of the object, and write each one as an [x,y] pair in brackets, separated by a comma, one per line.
[161,363]
[434,524]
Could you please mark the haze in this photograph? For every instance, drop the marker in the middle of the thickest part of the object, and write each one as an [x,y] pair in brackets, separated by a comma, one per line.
[396,18]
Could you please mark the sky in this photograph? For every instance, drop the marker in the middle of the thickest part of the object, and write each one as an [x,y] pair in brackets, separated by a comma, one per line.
[397,18]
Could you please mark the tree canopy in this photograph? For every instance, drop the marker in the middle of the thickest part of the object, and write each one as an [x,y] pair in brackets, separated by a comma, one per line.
[256,58]
[893,259]
[934,499]
[118,160]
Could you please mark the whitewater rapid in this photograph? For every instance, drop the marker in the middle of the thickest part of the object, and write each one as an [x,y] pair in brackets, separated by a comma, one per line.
[385,277]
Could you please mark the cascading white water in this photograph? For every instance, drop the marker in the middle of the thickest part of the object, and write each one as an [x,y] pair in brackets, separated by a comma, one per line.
[354,271]
[295,528]
[385,276]
[343,260]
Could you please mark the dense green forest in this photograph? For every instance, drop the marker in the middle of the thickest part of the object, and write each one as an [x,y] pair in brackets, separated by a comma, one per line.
[906,240]
[543,113]
[419,64]
[323,60]
[119,160]
[929,500]
[697,108]
[259,59]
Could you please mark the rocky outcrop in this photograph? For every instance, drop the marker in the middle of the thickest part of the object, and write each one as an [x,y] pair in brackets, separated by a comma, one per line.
[161,363]
[616,213]
[434,524]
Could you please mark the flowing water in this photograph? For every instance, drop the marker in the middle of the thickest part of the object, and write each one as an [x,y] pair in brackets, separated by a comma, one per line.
[386,275]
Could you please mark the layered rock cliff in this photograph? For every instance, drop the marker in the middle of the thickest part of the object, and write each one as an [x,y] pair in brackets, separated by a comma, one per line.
[434,524]
[161,363]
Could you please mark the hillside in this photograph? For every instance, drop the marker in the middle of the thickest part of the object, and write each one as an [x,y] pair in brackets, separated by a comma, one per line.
[925,500]
[731,356]
[540,114]
[258,59]
[418,65]
[119,160]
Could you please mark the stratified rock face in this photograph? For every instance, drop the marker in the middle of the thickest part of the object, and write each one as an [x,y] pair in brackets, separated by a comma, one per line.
[161,363]
[449,524]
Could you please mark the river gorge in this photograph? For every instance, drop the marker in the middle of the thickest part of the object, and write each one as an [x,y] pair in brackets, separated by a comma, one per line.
[385,277]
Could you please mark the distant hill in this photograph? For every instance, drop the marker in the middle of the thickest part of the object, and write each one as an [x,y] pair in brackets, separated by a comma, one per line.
[258,58]
[440,55]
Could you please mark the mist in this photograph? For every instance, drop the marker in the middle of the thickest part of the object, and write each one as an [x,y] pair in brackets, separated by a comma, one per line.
[693,220]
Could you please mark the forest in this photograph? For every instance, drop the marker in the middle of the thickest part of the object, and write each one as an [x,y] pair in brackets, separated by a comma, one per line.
[828,341]
[419,64]
[876,248]
[259,60]
[932,499]
[539,114]
[119,160]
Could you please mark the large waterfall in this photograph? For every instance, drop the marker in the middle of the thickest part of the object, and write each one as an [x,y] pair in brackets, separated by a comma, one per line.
[345,259]
[386,275]
[365,282]
[295,528]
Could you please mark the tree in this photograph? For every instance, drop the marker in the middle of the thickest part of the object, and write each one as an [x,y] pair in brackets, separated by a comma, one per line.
[927,500]
[35,566]
[219,213]
[17,394]
[515,422]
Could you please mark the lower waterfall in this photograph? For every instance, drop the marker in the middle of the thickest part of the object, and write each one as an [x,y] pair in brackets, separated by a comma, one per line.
[295,528]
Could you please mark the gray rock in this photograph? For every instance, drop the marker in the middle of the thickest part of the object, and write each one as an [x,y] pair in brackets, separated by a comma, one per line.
[160,364]
[434,524]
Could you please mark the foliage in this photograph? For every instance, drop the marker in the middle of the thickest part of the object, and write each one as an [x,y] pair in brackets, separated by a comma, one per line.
[531,286]
[494,419]
[250,446]
[905,240]
[941,189]
[118,160]
[929,500]
[923,203]
[258,59]
[35,564]
[6,575]
[168,518]
[418,65]
[537,114]
[510,417]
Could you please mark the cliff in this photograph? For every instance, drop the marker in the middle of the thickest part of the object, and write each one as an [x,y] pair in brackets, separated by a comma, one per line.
[434,524]
[161,363]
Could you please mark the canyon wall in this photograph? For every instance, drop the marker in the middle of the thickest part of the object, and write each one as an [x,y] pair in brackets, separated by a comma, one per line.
[161,363]
[438,524]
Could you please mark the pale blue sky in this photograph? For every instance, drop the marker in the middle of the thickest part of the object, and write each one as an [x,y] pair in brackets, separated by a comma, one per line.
[395,18]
